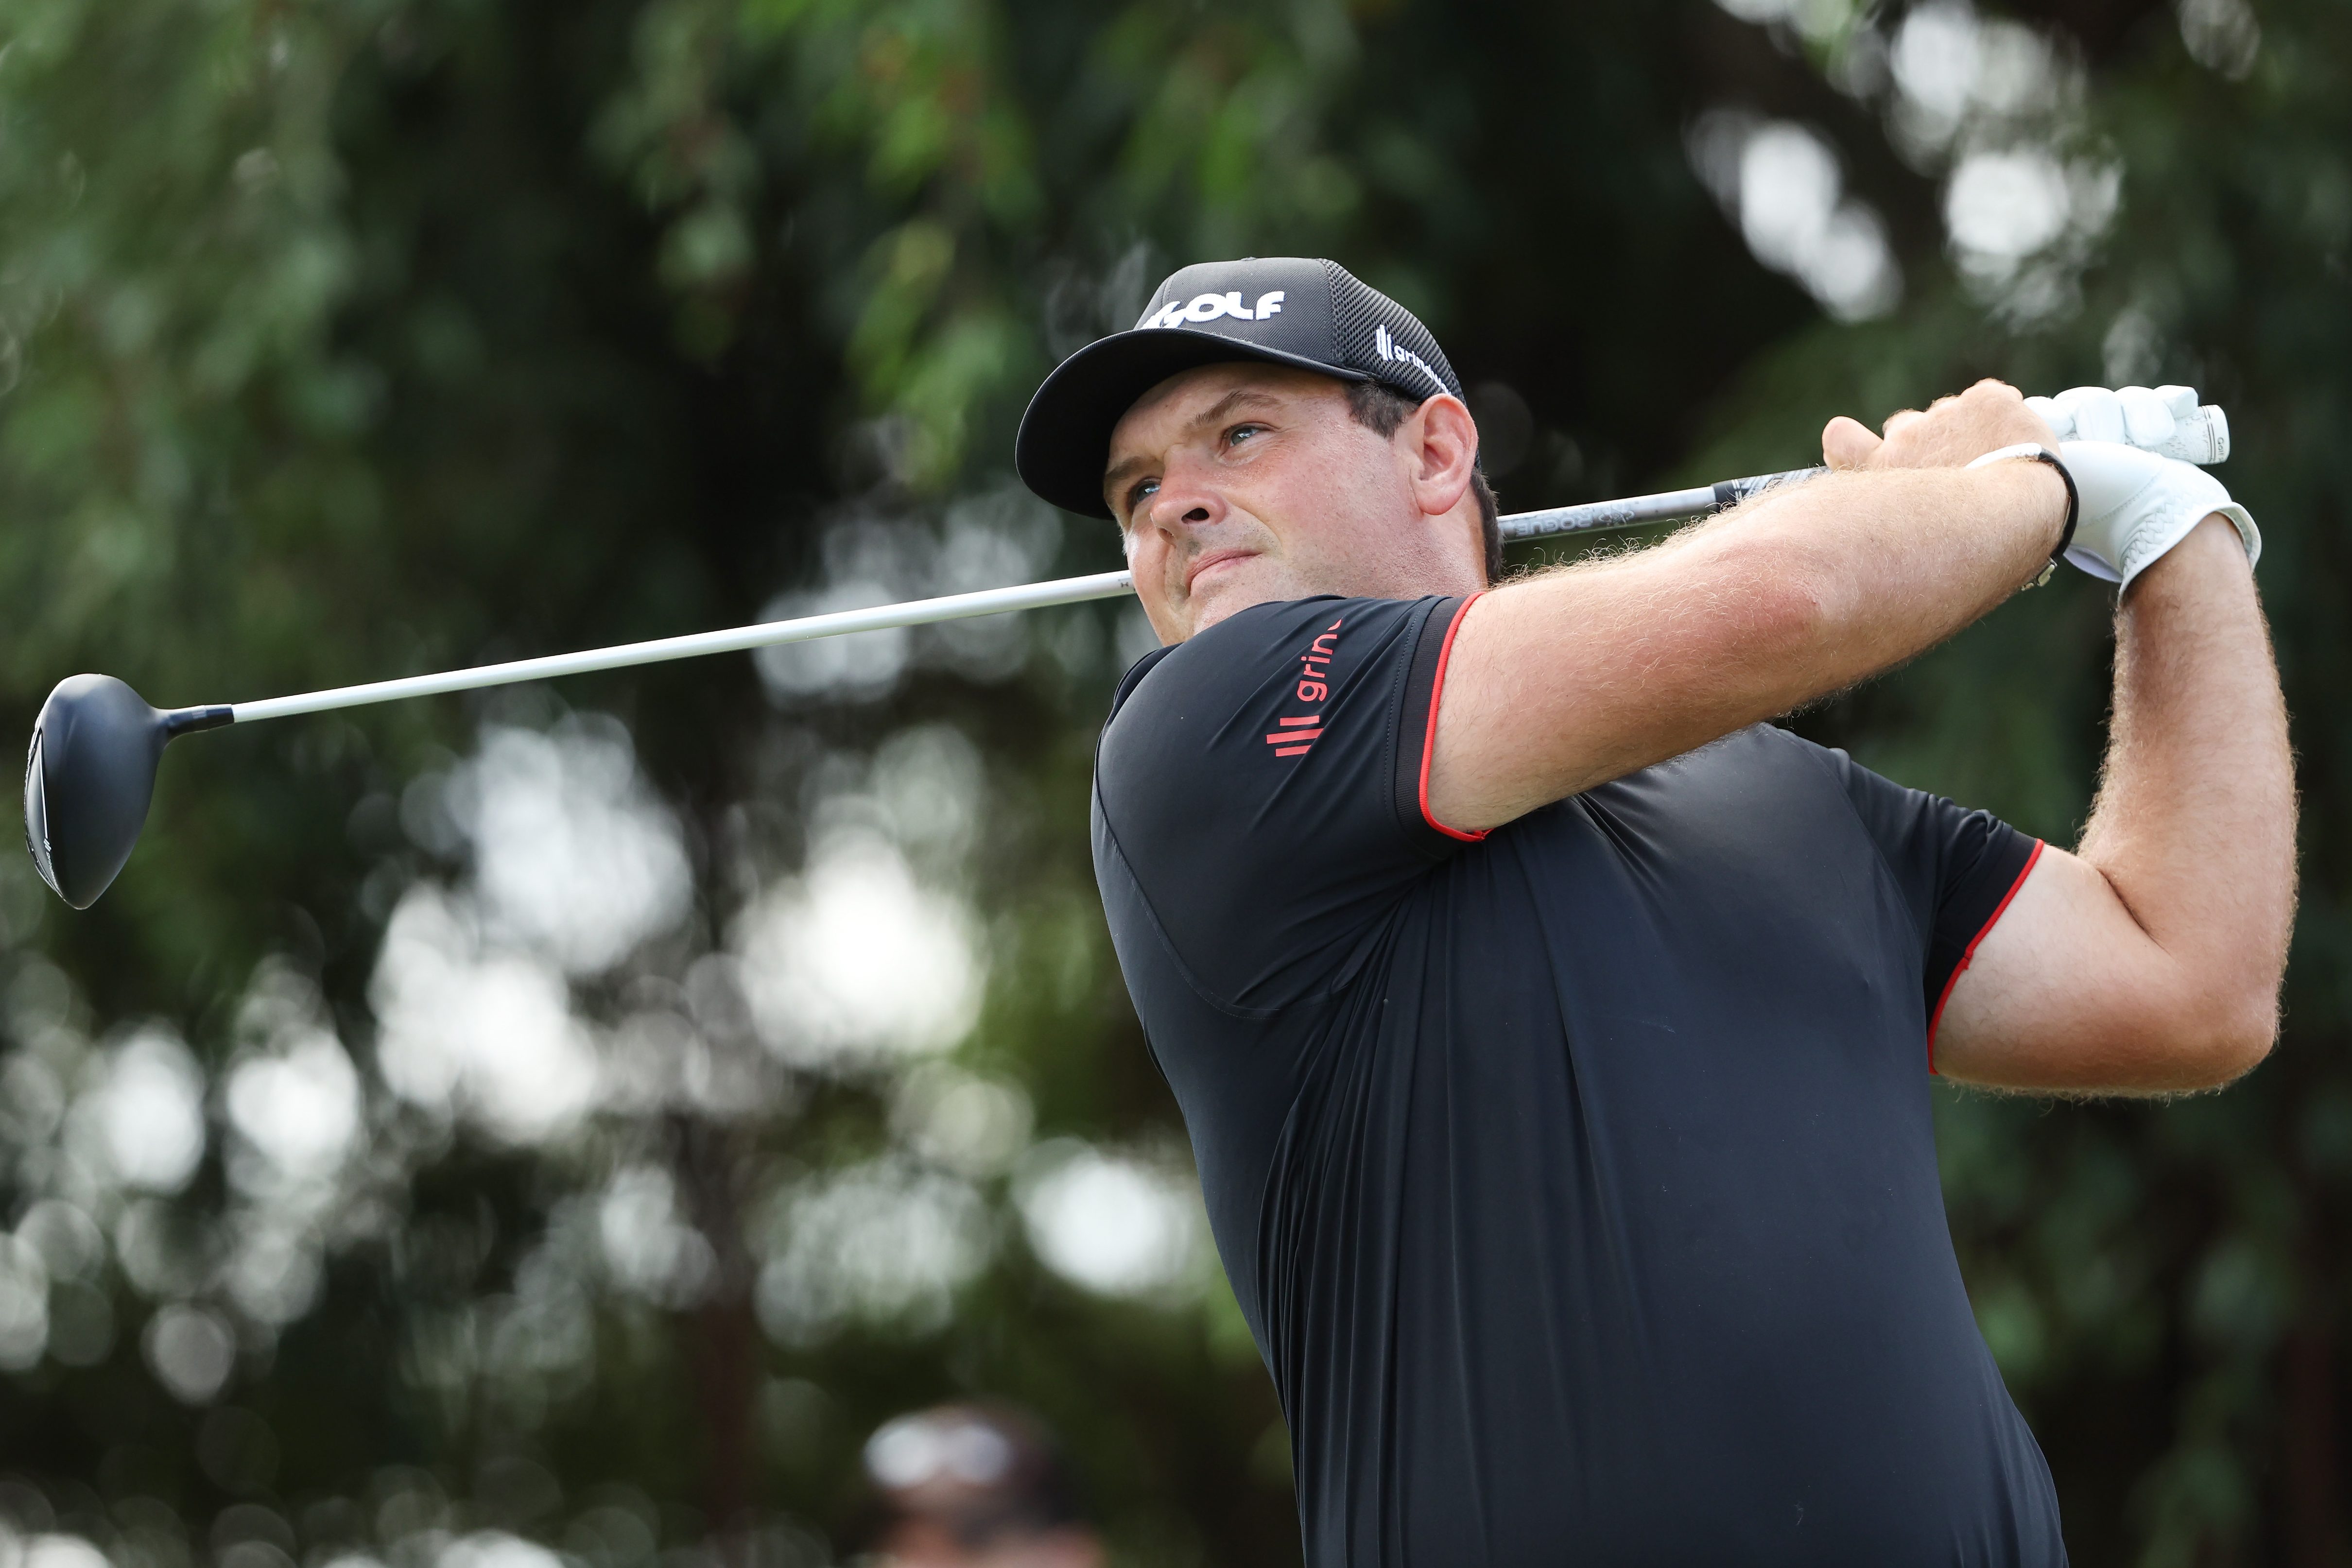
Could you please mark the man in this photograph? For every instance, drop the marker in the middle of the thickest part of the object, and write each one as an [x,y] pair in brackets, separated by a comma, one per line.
[1554,1033]
[974,1486]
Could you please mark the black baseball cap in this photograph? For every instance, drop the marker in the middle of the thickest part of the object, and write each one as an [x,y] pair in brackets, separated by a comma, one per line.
[1285,310]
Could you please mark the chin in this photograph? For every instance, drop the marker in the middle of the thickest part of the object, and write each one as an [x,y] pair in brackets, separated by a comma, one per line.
[1230,590]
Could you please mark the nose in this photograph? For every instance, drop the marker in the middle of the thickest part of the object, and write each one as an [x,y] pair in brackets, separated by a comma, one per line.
[1182,503]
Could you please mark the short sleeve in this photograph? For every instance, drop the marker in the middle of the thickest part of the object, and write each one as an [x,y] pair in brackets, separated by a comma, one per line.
[1262,787]
[1957,869]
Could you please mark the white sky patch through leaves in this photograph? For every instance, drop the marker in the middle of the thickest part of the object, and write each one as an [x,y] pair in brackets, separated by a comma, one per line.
[854,961]
[1110,1223]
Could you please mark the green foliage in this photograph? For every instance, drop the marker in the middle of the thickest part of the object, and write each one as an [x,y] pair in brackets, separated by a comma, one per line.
[341,339]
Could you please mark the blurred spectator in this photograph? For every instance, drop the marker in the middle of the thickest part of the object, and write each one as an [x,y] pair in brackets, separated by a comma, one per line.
[975,1486]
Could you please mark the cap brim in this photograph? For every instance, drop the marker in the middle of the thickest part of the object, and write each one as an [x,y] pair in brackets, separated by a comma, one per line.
[1064,440]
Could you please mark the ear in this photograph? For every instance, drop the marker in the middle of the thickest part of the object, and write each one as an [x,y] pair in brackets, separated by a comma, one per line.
[1439,446]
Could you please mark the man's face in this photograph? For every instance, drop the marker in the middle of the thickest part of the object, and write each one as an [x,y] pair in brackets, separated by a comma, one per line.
[1237,483]
[928,1543]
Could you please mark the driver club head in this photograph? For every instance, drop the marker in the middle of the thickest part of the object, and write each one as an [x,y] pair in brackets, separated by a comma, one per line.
[89,774]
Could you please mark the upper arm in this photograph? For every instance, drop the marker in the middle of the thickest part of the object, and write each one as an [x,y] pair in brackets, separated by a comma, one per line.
[2067,993]
[1584,674]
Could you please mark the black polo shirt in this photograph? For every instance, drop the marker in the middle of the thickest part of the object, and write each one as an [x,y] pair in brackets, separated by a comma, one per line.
[1578,1180]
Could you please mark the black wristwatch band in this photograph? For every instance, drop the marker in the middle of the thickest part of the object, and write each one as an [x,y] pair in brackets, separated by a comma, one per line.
[2035,451]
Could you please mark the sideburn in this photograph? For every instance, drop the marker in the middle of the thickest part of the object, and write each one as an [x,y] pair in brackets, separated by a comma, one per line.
[1382,409]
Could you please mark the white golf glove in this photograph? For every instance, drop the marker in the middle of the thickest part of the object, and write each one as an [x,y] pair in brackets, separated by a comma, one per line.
[2134,506]
[2163,420]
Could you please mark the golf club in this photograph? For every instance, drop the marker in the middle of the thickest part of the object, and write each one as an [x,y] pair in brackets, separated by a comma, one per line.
[90,771]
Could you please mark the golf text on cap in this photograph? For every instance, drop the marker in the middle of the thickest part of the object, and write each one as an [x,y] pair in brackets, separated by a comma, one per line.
[1392,350]
[1209,306]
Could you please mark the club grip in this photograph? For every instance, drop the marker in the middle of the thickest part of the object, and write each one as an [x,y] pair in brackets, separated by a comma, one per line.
[1729,493]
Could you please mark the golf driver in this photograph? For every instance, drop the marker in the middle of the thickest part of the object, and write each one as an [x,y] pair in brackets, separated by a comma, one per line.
[89,772]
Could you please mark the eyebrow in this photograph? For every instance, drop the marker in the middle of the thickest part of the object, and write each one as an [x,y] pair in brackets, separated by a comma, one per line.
[1239,398]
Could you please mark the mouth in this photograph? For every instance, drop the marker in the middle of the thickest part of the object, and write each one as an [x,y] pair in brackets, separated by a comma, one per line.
[1213,561]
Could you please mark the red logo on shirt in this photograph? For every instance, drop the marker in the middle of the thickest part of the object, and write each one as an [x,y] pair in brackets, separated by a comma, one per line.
[1298,733]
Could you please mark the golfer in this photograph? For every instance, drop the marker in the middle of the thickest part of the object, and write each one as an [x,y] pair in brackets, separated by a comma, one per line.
[1553,1032]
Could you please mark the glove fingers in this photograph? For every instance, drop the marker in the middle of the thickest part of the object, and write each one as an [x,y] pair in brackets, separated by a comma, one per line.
[2059,420]
[2166,420]
[2146,422]
[2098,413]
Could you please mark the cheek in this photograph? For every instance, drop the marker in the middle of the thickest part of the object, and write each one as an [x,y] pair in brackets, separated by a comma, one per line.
[1147,558]
[1337,484]
[1142,548]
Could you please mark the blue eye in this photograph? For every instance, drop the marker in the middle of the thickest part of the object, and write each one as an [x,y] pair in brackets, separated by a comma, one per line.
[1142,492]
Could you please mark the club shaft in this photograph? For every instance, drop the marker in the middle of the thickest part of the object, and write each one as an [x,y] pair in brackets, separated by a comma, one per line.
[1596,518]
[734,640]
[1600,517]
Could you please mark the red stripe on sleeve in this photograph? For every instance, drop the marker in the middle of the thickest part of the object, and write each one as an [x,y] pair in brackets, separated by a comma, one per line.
[1429,739]
[1970,953]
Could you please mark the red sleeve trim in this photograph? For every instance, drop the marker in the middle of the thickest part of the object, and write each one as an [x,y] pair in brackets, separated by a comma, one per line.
[1969,954]
[1428,737]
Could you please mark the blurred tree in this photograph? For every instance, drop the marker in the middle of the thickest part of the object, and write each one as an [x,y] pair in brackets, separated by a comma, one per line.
[573,1120]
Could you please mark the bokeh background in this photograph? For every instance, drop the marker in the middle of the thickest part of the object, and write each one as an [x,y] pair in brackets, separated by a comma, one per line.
[558,1127]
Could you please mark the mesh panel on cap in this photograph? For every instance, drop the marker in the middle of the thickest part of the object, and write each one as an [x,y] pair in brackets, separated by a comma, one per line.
[1357,312]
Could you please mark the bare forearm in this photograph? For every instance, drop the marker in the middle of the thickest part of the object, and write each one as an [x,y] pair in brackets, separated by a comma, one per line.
[2148,961]
[1800,593]
[1898,559]
[2194,827]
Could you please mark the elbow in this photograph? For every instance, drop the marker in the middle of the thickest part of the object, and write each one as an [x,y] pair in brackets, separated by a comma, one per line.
[2221,1042]
[1785,599]
[2245,1039]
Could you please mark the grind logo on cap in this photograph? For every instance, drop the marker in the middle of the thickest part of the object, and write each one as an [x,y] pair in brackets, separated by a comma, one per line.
[1311,314]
